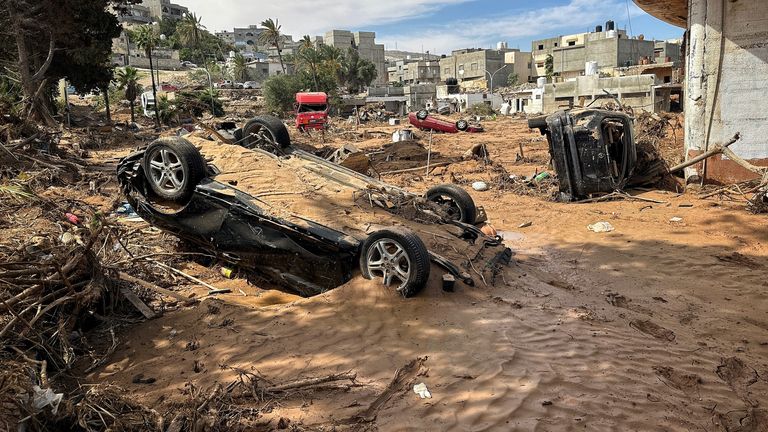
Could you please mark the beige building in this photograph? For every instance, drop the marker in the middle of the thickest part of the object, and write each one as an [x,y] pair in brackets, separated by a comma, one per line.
[414,72]
[477,67]
[521,64]
[366,46]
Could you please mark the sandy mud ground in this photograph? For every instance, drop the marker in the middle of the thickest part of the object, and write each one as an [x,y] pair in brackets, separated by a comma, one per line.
[658,325]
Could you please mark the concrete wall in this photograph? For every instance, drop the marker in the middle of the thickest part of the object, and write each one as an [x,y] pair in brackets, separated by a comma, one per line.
[520,63]
[635,91]
[727,66]
[474,64]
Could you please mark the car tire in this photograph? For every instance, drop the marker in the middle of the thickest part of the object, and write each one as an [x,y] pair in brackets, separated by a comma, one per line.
[274,127]
[422,114]
[462,125]
[459,203]
[398,255]
[173,167]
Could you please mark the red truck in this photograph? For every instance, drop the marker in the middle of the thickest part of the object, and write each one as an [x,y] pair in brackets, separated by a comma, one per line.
[311,110]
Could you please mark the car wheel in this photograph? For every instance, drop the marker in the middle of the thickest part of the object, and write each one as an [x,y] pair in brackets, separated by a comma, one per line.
[537,122]
[399,258]
[422,115]
[457,203]
[462,125]
[173,167]
[267,133]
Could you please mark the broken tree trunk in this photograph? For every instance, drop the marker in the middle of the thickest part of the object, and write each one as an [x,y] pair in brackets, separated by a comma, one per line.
[716,150]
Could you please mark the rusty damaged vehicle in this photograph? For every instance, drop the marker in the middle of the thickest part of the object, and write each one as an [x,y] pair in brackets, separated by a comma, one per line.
[304,222]
[593,150]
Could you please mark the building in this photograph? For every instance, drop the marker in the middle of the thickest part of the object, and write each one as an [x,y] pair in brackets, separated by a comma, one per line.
[725,86]
[609,48]
[366,46]
[149,11]
[126,53]
[414,72]
[245,39]
[521,64]
[636,91]
[477,67]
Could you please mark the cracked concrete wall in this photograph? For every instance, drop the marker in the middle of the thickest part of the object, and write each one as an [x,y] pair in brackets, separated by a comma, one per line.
[727,89]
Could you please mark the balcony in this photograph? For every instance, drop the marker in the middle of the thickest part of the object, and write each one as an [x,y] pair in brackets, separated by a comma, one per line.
[674,12]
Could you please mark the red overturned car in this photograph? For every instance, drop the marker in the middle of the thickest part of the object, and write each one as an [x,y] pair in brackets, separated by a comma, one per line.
[422,120]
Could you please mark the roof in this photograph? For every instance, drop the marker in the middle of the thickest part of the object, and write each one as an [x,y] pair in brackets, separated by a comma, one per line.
[313,97]
[674,12]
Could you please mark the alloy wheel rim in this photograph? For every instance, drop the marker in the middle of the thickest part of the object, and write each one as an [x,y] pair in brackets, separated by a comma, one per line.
[167,171]
[388,260]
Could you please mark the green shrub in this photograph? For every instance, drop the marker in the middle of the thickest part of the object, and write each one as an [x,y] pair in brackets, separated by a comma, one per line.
[280,93]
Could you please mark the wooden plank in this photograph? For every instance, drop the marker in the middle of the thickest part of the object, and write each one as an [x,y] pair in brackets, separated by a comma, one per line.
[137,303]
[150,286]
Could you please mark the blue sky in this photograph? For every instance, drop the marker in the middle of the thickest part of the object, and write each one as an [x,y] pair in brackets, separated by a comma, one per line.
[436,25]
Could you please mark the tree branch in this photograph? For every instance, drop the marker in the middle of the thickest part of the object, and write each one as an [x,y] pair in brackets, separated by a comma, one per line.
[44,68]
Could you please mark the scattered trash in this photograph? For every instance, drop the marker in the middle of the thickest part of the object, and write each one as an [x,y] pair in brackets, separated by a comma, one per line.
[685,205]
[126,213]
[676,219]
[402,135]
[449,281]
[600,227]
[525,224]
[227,272]
[72,219]
[480,186]
[542,176]
[394,122]
[42,398]
[421,390]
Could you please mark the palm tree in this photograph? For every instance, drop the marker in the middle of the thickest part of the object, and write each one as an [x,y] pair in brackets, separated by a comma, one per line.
[239,68]
[127,80]
[306,42]
[189,29]
[310,59]
[332,59]
[147,39]
[271,36]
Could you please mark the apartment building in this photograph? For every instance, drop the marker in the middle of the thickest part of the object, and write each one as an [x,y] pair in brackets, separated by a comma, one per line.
[366,46]
[469,67]
[414,72]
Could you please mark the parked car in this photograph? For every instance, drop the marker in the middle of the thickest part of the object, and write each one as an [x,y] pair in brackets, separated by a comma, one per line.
[311,110]
[423,120]
[188,64]
[298,234]
[593,150]
[225,84]
[238,85]
[251,85]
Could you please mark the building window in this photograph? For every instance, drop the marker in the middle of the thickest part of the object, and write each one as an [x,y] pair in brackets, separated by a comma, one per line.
[571,43]
[473,66]
[461,68]
[541,47]
[555,44]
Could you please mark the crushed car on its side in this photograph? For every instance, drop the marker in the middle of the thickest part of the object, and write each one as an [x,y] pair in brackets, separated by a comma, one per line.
[593,150]
[301,220]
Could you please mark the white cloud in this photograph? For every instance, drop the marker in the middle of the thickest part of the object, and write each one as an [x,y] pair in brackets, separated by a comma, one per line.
[313,17]
[482,32]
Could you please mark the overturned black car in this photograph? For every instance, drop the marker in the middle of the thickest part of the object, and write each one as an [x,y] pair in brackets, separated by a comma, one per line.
[593,150]
[301,220]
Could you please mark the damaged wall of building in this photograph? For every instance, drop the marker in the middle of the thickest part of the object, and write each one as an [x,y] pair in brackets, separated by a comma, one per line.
[635,91]
[726,87]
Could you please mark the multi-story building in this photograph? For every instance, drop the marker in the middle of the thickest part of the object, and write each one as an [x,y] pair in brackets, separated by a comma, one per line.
[521,64]
[608,47]
[164,9]
[476,66]
[245,39]
[366,46]
[414,72]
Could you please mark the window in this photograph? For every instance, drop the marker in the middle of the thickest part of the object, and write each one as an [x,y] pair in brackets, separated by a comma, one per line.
[555,44]
[541,47]
[473,66]
[571,43]
[461,68]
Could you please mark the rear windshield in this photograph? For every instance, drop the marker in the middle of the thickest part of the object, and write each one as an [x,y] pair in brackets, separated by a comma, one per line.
[312,107]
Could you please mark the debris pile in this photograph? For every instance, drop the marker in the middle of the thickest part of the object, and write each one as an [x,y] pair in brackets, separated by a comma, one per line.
[654,157]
